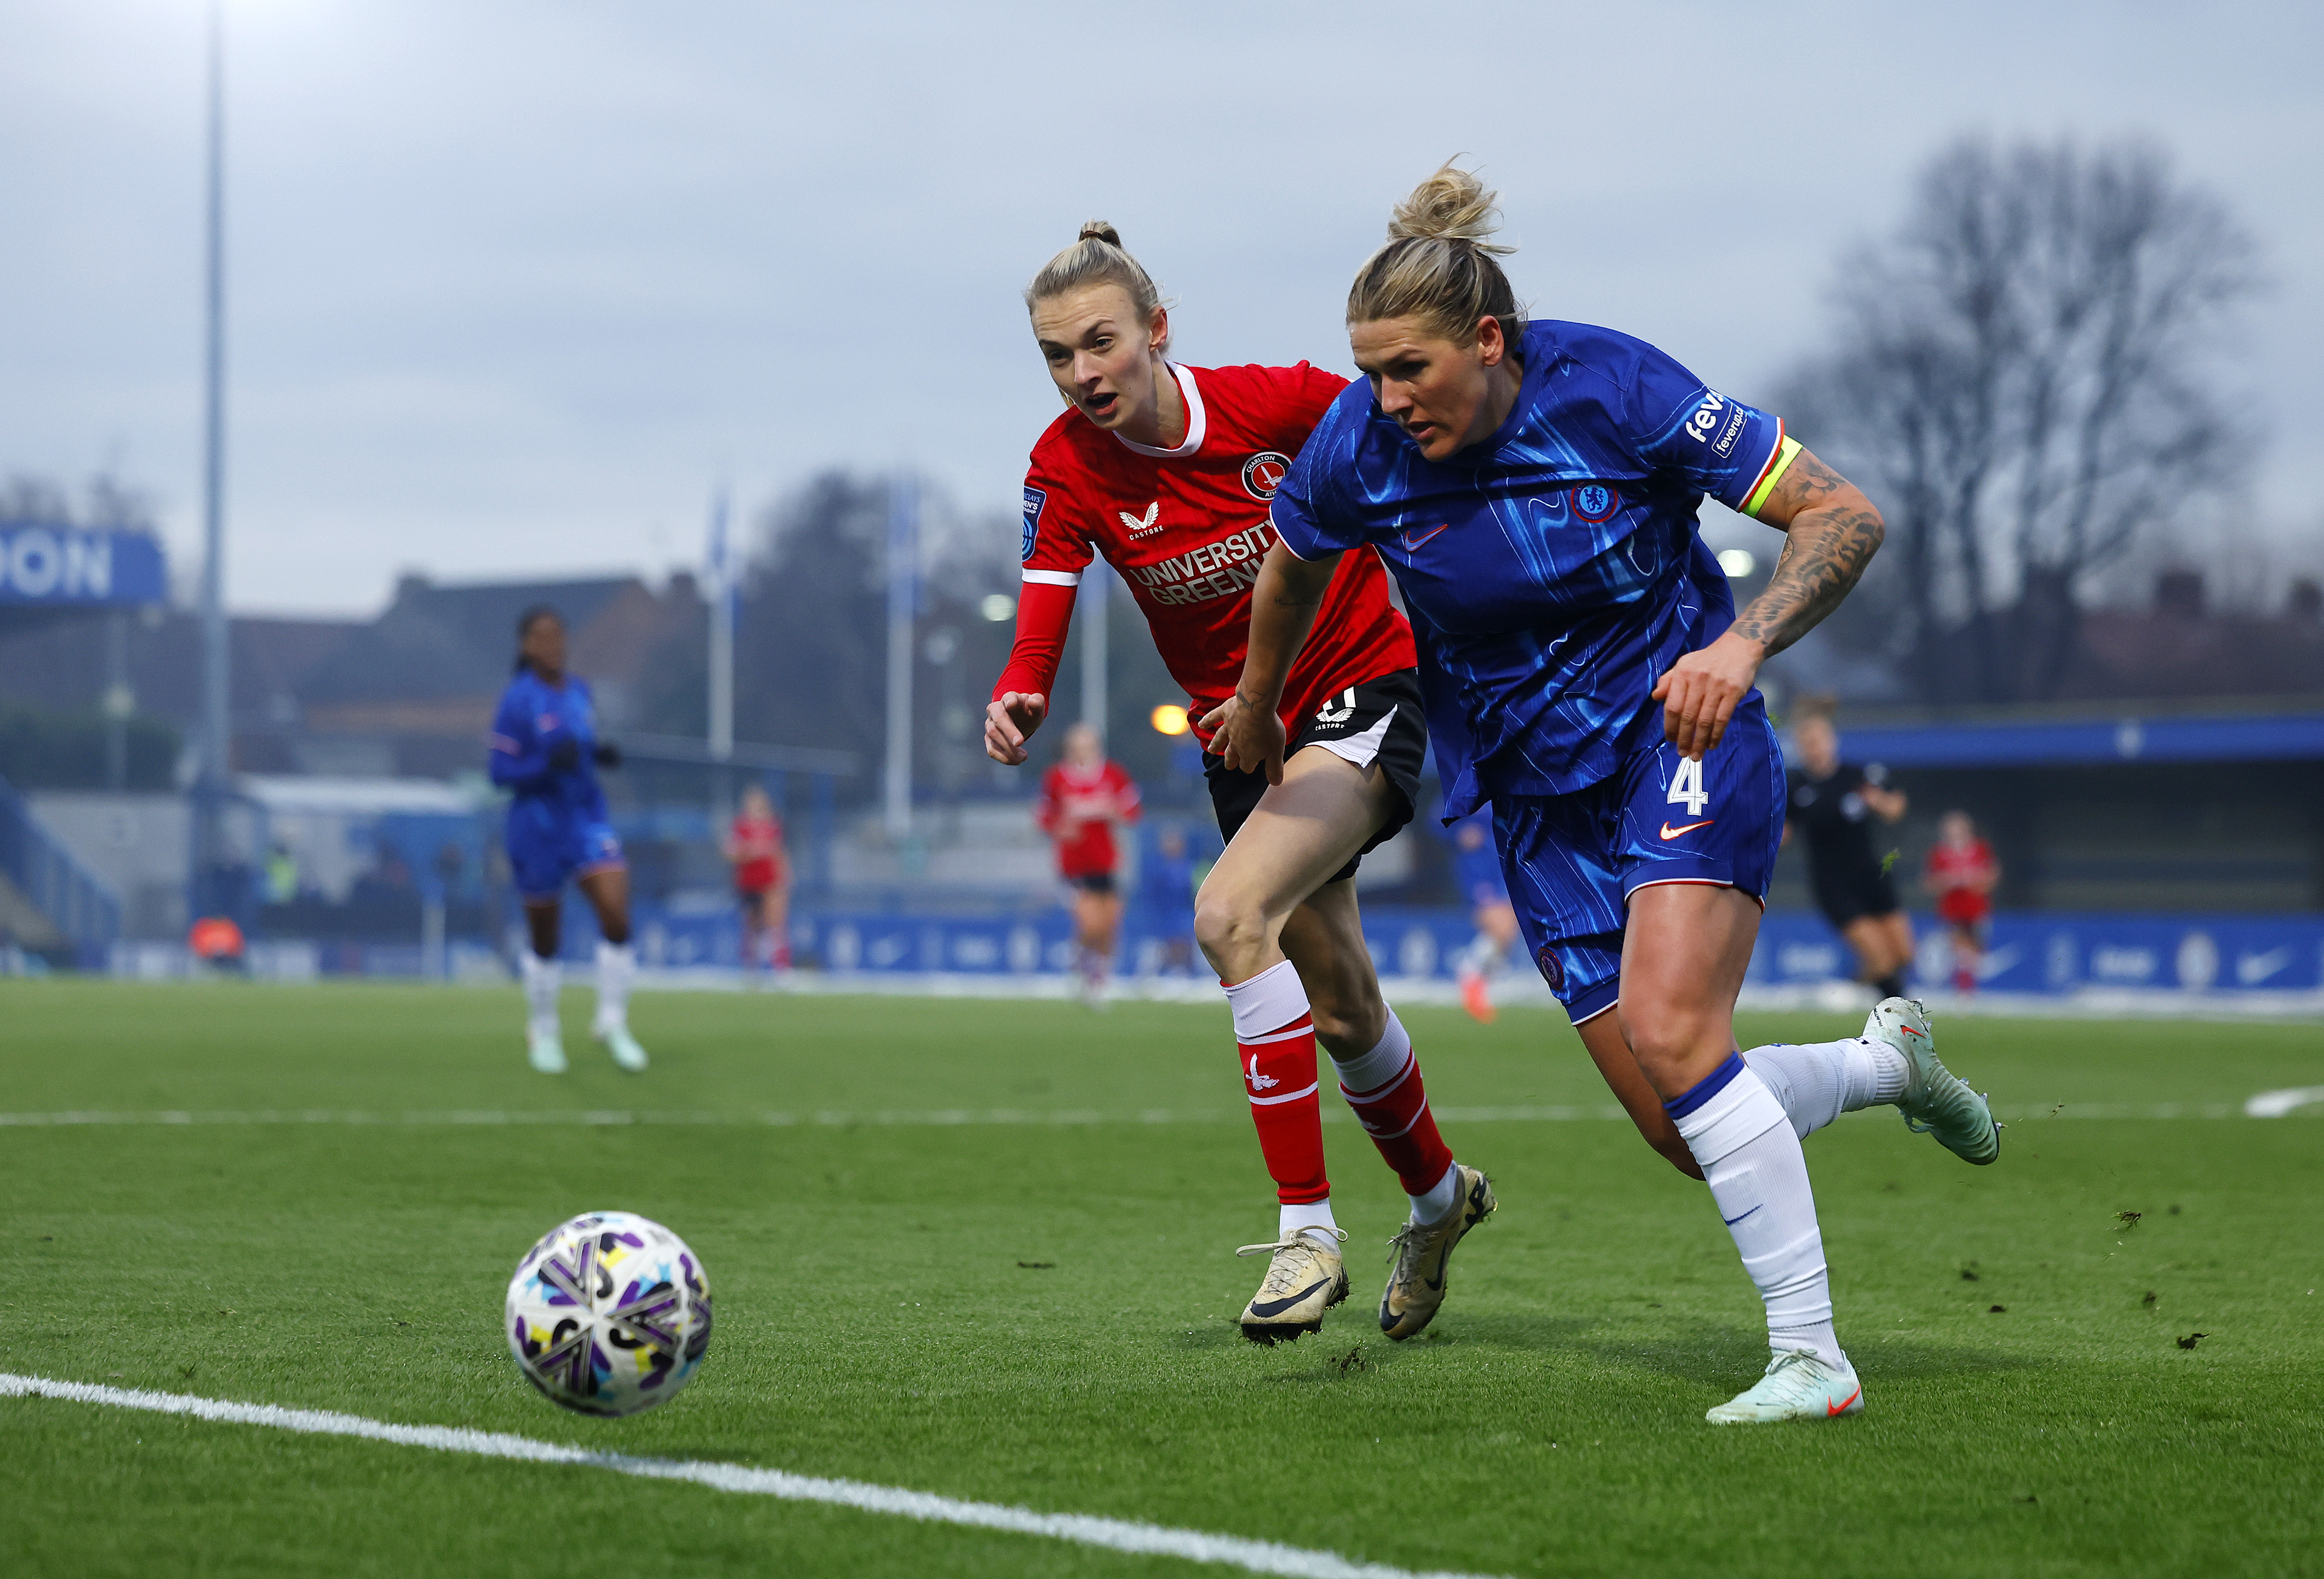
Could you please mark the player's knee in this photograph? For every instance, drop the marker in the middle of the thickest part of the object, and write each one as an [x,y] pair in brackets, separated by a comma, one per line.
[1347,1025]
[1226,927]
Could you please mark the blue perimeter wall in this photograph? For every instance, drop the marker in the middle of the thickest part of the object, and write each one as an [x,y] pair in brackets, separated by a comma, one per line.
[2029,952]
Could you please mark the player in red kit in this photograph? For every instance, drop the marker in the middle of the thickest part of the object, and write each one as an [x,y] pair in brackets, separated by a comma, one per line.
[1168,471]
[1961,872]
[763,882]
[1081,799]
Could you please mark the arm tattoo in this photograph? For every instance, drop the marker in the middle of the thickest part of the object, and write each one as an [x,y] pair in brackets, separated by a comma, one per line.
[1831,537]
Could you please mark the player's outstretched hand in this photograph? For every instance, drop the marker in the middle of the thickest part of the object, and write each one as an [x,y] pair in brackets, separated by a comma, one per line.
[1247,739]
[1700,692]
[605,754]
[565,754]
[1009,720]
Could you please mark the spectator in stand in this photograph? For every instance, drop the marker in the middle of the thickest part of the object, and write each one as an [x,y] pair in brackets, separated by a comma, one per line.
[1168,887]
[1961,873]
[282,876]
[1081,799]
[1831,805]
[763,882]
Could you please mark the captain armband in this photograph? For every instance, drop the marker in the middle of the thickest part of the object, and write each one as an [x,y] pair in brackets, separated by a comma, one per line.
[1787,450]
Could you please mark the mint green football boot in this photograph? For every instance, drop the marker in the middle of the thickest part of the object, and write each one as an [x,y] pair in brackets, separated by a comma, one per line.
[1936,1101]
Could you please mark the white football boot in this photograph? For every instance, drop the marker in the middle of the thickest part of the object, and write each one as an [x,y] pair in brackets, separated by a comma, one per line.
[1936,1101]
[545,1049]
[615,1035]
[1797,1386]
[1305,1277]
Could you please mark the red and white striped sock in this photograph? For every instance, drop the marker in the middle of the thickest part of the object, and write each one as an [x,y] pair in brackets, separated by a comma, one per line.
[1275,1039]
[1391,1102]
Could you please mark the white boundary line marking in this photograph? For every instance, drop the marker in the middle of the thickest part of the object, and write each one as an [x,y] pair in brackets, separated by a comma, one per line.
[2267,1105]
[1121,1535]
[938,1118]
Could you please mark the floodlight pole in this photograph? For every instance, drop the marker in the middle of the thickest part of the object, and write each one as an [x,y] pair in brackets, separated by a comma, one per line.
[722,634]
[1096,595]
[903,599]
[217,724]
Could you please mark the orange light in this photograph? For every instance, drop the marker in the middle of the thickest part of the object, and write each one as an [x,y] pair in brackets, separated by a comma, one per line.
[1169,719]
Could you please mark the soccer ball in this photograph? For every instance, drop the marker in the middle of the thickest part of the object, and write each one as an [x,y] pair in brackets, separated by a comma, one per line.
[609,1314]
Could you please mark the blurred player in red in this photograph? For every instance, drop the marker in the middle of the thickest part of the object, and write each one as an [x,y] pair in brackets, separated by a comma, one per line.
[763,882]
[1961,873]
[1081,799]
[1167,472]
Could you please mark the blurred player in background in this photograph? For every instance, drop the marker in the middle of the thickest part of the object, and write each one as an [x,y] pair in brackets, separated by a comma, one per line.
[1167,884]
[545,749]
[1831,805]
[1534,489]
[1961,872]
[763,882]
[1082,798]
[1477,872]
[1167,471]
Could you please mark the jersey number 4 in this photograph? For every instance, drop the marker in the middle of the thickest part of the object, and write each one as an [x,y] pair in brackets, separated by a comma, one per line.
[1687,789]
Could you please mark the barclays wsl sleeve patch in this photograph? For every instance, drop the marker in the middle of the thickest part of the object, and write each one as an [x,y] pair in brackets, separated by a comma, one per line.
[1034,499]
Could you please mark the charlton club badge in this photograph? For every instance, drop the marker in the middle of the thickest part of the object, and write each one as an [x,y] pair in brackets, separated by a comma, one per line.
[1262,474]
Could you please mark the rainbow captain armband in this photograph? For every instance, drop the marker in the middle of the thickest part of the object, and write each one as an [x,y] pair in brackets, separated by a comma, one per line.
[1786,447]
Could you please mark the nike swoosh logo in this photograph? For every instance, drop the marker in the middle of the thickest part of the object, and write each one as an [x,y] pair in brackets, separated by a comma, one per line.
[1841,1408]
[1278,1307]
[1671,832]
[1730,1222]
[1411,543]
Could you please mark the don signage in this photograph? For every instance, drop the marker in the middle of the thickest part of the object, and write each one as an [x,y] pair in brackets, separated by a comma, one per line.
[87,567]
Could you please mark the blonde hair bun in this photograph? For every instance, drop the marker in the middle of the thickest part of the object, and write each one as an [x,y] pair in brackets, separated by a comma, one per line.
[1098,230]
[1452,204]
[1436,265]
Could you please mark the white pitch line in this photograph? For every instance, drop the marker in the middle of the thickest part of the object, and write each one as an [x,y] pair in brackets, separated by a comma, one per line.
[2277,1104]
[942,1118]
[1121,1535]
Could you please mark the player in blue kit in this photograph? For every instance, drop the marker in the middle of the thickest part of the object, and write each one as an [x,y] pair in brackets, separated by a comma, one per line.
[1534,490]
[545,748]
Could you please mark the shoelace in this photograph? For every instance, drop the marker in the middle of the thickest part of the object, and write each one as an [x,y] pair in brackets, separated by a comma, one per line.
[1280,1276]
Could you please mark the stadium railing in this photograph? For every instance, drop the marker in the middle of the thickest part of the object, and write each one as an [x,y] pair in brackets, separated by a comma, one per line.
[83,909]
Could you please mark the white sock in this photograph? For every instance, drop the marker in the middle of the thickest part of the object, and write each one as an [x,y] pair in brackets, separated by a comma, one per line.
[1442,1197]
[543,978]
[1816,1081]
[1876,1073]
[1758,1178]
[1317,1215]
[1372,1071]
[617,967]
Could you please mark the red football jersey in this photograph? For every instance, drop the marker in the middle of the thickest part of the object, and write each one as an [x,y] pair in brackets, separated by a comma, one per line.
[758,845]
[1187,527]
[1078,808]
[1969,866]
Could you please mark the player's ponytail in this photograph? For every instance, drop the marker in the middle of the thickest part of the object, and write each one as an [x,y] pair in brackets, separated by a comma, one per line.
[1438,265]
[533,615]
[1097,257]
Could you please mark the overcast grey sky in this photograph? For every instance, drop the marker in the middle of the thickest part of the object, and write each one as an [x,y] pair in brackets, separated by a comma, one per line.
[515,283]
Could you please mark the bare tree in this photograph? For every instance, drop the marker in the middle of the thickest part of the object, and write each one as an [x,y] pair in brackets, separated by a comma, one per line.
[2022,381]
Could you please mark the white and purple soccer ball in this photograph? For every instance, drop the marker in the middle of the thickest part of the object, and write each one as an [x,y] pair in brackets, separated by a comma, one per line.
[609,1314]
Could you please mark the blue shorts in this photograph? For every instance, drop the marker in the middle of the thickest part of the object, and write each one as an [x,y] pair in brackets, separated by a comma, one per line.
[1573,860]
[545,855]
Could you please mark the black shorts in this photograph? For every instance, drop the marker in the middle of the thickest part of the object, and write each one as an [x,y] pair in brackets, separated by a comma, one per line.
[1384,713]
[1094,883]
[1843,896]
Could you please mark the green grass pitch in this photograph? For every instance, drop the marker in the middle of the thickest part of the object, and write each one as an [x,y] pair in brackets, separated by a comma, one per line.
[1041,1313]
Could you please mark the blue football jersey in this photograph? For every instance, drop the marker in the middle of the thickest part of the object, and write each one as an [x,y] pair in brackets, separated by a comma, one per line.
[534,717]
[1554,570]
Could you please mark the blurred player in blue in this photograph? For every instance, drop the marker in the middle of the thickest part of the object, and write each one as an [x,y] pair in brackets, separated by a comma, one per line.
[545,748]
[1534,488]
[1476,873]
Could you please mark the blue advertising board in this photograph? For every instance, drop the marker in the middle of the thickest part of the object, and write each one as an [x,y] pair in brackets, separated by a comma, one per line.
[2051,954]
[61,567]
